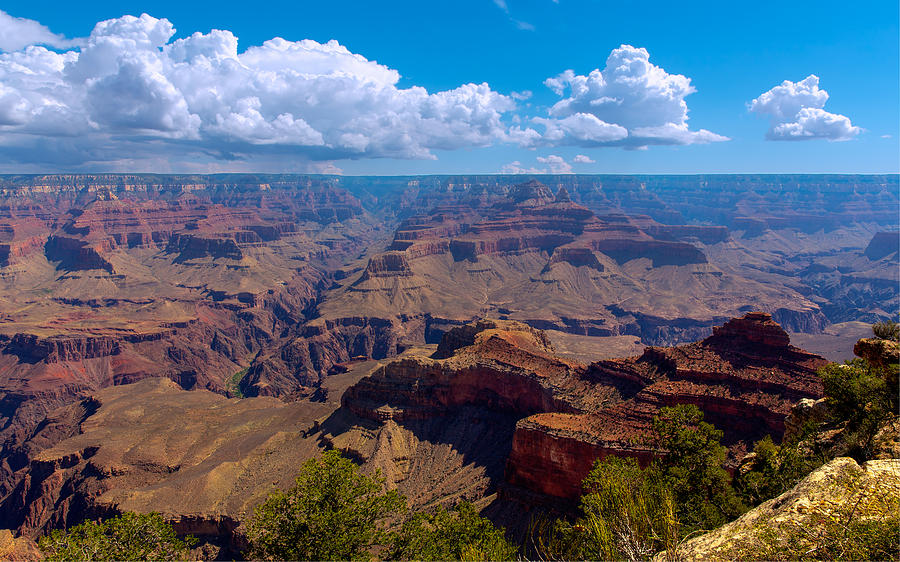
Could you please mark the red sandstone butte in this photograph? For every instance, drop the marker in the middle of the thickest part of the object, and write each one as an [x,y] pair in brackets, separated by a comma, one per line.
[744,377]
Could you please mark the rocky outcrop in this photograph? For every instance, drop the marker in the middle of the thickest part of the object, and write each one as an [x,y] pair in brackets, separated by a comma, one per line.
[20,239]
[189,246]
[577,257]
[390,264]
[704,234]
[754,329]
[31,348]
[466,335]
[552,453]
[18,548]
[75,254]
[660,253]
[300,364]
[803,412]
[879,352]
[745,378]
[14,252]
[883,244]
[532,193]
[808,518]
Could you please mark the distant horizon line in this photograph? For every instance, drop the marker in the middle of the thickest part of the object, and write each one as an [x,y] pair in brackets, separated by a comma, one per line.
[455,174]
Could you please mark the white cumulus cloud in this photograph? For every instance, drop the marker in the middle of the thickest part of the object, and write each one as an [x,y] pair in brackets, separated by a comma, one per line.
[516,167]
[796,112]
[631,103]
[582,159]
[556,164]
[130,89]
[18,33]
[553,164]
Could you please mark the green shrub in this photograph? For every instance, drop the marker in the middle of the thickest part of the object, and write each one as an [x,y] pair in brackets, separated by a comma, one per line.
[861,396]
[130,536]
[887,330]
[233,385]
[773,471]
[333,512]
[460,534]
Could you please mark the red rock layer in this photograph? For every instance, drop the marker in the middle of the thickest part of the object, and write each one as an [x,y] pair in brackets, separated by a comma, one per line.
[745,378]
[532,219]
[21,238]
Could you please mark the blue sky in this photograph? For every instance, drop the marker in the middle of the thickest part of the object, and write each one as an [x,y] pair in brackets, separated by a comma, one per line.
[731,53]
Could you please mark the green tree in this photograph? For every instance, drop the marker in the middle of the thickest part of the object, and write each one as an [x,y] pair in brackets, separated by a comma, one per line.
[130,536]
[460,534]
[863,396]
[692,468]
[629,513]
[626,514]
[333,512]
[773,470]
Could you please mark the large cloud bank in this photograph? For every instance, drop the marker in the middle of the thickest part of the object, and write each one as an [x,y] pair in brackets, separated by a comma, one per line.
[631,103]
[796,112]
[130,95]
[130,85]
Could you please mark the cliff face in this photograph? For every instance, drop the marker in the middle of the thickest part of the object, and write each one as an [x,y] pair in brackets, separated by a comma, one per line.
[147,447]
[189,246]
[21,238]
[883,244]
[745,378]
[74,254]
[552,453]
[522,255]
[31,349]
[323,347]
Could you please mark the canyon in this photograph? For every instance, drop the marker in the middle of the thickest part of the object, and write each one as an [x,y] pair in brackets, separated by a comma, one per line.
[508,302]
[491,414]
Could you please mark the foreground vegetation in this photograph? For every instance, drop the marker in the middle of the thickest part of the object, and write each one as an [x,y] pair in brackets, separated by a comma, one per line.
[627,512]
[129,536]
[334,512]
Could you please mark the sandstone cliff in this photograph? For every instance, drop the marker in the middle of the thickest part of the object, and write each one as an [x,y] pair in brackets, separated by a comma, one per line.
[745,378]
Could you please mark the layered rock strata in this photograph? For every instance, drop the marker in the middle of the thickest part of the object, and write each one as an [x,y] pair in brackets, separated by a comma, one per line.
[745,378]
[542,259]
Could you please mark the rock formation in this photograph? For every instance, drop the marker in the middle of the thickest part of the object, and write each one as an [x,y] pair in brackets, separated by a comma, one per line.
[839,491]
[883,244]
[745,378]
[110,279]
[554,264]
